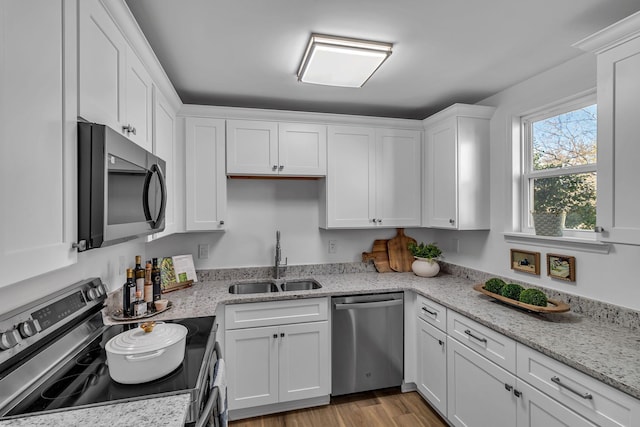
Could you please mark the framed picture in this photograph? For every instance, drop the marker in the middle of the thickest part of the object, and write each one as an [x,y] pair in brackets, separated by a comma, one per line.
[561,267]
[525,261]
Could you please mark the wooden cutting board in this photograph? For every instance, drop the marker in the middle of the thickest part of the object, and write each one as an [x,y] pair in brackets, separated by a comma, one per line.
[400,258]
[379,255]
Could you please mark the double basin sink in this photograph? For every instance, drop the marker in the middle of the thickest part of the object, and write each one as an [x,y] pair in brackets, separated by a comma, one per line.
[262,287]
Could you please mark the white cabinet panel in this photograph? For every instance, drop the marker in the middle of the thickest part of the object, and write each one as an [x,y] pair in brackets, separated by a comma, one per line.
[456,188]
[206,192]
[252,366]
[38,220]
[304,361]
[373,178]
[302,149]
[432,313]
[276,312]
[479,392]
[138,102]
[432,365]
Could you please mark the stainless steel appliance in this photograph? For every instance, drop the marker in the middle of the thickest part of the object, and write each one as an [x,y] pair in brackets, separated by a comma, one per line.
[121,188]
[55,359]
[367,342]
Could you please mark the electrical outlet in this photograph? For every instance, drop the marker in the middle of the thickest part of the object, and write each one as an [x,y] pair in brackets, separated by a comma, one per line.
[333,246]
[203,251]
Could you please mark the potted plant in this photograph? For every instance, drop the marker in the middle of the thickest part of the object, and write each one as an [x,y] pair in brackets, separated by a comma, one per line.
[425,264]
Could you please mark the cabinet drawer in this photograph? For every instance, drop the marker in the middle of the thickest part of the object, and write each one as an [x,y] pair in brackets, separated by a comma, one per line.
[591,398]
[489,343]
[270,313]
[432,313]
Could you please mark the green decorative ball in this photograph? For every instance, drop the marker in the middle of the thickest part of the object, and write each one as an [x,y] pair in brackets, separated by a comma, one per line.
[494,285]
[512,291]
[533,297]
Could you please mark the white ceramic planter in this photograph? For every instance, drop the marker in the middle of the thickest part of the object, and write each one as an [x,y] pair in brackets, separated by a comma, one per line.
[424,267]
[136,357]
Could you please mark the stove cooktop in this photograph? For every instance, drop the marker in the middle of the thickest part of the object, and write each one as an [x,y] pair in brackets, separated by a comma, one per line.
[85,381]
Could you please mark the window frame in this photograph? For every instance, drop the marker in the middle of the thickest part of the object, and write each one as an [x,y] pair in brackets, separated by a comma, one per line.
[528,174]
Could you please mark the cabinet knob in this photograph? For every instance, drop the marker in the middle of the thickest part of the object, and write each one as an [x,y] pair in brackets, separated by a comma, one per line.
[274,167]
[222,222]
[80,246]
[452,221]
[275,336]
[281,167]
[129,129]
[598,229]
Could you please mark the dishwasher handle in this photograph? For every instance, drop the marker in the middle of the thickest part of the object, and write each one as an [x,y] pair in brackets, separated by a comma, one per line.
[374,304]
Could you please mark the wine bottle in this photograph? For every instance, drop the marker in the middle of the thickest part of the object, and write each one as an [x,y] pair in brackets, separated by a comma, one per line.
[148,287]
[139,274]
[156,279]
[128,294]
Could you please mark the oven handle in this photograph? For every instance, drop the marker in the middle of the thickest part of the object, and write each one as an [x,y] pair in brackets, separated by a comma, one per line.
[204,417]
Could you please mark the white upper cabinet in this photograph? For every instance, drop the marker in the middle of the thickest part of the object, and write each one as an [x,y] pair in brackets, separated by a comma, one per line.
[618,51]
[164,146]
[272,148]
[373,178]
[206,183]
[456,159]
[114,87]
[38,178]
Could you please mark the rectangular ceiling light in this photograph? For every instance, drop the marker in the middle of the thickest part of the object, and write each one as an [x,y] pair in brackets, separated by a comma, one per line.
[336,61]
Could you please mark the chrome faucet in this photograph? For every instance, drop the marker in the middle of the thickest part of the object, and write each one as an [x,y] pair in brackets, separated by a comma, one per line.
[278,257]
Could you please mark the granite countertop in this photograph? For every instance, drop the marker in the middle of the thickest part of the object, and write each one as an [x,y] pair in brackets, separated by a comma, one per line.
[605,351]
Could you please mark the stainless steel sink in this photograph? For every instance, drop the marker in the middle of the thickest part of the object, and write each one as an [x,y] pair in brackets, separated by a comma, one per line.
[300,285]
[253,288]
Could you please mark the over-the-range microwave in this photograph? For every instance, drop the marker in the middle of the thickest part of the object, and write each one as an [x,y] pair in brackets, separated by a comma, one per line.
[122,192]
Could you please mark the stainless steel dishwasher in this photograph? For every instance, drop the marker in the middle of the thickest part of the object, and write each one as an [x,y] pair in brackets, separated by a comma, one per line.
[367,342]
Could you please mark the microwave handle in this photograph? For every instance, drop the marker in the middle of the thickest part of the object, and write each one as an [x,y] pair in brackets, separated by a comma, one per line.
[163,189]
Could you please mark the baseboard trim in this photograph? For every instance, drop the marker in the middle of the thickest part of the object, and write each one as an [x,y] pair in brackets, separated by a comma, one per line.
[238,414]
[407,387]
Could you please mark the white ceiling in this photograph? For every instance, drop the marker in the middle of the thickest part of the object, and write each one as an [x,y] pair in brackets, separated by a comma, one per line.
[246,53]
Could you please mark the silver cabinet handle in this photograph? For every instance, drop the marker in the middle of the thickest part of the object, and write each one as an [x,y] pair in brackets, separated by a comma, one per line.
[517,393]
[281,167]
[598,229]
[571,389]
[129,129]
[468,332]
[452,221]
[221,222]
[274,167]
[441,342]
[508,387]
[433,313]
[374,304]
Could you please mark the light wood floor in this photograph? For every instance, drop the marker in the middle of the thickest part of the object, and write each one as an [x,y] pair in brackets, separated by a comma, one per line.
[388,408]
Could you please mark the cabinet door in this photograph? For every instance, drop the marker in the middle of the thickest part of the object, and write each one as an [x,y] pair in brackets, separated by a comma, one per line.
[618,209]
[252,366]
[164,136]
[252,147]
[102,59]
[441,204]
[302,149]
[206,192]
[479,393]
[304,361]
[38,115]
[350,185]
[138,102]
[432,365]
[536,409]
[398,189]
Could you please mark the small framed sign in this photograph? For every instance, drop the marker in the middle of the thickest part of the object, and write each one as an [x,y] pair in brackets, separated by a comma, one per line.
[525,261]
[561,267]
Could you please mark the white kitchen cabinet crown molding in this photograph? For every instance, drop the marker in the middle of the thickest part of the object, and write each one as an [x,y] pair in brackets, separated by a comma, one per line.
[460,110]
[611,36]
[190,110]
[129,27]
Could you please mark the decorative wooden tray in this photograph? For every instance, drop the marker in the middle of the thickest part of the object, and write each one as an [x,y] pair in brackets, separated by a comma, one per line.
[553,306]
[119,316]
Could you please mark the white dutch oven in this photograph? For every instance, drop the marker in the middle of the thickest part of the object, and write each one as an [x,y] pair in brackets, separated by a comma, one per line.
[136,357]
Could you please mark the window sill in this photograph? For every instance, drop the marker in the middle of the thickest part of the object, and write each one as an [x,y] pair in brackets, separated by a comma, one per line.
[573,243]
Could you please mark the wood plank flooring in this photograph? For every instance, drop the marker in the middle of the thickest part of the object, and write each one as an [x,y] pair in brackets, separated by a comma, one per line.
[383,408]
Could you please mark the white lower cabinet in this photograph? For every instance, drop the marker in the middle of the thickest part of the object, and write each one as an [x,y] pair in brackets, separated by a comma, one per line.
[480,393]
[536,409]
[432,365]
[281,362]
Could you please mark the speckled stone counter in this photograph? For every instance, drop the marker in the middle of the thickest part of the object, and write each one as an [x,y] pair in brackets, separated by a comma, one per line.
[168,411]
[605,351]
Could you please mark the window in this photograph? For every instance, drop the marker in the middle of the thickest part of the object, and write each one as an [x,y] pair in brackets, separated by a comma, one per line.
[559,163]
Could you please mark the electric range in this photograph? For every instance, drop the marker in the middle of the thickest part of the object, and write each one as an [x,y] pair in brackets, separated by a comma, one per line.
[53,357]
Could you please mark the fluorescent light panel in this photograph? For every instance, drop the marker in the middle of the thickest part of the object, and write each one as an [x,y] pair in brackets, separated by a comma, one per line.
[335,61]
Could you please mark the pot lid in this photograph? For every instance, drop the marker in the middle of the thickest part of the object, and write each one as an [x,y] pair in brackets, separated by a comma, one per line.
[136,341]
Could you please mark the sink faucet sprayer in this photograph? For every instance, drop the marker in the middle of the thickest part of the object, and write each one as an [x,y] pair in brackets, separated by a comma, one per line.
[279,256]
